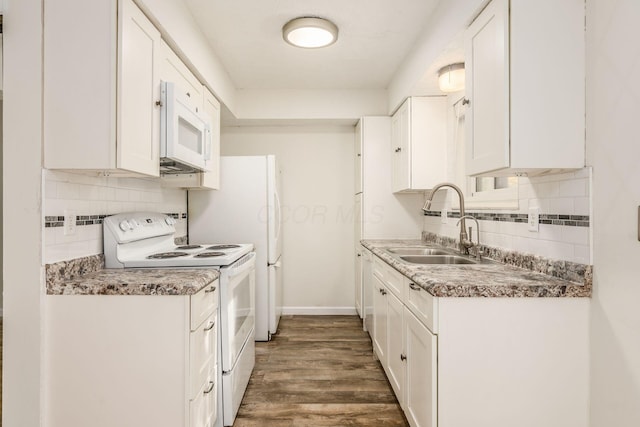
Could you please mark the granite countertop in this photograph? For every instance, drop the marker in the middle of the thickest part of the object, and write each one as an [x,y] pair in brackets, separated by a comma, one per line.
[85,276]
[480,280]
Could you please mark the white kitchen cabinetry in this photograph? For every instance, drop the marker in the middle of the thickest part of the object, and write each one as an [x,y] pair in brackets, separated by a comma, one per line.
[380,214]
[489,362]
[101,88]
[172,69]
[525,74]
[419,144]
[123,360]
[396,357]
[379,319]
[421,370]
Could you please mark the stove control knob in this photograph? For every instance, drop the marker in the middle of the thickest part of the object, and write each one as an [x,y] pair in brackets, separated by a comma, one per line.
[125,226]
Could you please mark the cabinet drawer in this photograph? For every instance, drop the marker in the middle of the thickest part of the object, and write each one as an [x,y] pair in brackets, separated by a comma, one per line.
[422,304]
[203,408]
[203,304]
[388,275]
[202,353]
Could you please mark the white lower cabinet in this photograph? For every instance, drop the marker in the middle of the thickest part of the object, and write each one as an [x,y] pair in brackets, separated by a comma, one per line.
[421,351]
[131,360]
[379,319]
[482,362]
[396,357]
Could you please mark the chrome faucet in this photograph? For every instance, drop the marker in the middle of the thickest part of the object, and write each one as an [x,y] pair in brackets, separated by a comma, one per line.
[479,251]
[465,243]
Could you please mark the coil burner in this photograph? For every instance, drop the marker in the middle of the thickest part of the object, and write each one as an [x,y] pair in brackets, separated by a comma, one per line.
[222,247]
[165,255]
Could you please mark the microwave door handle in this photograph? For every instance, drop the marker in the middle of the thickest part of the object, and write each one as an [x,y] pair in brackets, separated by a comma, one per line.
[207,143]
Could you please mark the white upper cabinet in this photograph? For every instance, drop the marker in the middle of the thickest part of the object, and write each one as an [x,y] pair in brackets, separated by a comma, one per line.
[358,145]
[172,69]
[101,86]
[418,144]
[525,77]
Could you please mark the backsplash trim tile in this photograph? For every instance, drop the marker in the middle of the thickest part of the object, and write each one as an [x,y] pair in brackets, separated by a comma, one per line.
[52,221]
[553,219]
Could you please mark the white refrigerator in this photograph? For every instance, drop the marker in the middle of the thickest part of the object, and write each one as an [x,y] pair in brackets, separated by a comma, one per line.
[246,209]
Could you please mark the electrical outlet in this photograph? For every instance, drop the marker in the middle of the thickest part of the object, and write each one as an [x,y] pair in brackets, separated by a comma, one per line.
[443,216]
[534,219]
[69,223]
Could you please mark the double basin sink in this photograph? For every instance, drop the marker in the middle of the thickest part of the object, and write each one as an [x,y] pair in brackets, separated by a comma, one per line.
[432,256]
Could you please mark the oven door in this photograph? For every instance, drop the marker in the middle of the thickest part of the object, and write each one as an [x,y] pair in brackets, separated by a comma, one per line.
[185,135]
[237,302]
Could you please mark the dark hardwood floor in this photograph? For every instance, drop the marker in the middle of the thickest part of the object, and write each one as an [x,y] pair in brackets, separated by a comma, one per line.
[318,371]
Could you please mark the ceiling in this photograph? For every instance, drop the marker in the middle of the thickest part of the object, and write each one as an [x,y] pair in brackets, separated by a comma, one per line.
[374,38]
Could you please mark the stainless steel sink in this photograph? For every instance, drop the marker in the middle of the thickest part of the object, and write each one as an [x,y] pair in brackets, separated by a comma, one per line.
[437,259]
[418,251]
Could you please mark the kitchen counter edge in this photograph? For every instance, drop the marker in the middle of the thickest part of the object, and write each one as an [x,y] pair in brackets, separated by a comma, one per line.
[87,276]
[480,280]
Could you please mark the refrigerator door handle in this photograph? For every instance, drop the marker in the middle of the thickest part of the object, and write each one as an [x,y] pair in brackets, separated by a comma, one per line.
[278,214]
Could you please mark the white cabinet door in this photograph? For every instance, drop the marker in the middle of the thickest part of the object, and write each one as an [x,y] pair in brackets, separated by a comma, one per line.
[487,87]
[395,347]
[357,148]
[358,284]
[419,144]
[380,320]
[138,90]
[172,69]
[401,179]
[525,86]
[420,404]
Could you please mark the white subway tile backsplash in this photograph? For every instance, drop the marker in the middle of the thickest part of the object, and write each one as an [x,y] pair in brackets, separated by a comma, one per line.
[92,196]
[574,188]
[561,206]
[563,201]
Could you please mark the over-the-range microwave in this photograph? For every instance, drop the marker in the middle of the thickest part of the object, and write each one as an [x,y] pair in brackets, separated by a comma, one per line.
[185,134]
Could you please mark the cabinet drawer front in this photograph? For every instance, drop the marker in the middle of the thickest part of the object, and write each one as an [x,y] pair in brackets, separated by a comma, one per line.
[204,303]
[391,278]
[202,353]
[379,268]
[394,280]
[203,407]
[422,304]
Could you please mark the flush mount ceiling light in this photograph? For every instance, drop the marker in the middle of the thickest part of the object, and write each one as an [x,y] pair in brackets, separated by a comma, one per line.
[310,32]
[451,77]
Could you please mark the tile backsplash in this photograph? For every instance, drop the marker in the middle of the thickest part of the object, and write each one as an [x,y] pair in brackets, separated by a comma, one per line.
[90,199]
[564,231]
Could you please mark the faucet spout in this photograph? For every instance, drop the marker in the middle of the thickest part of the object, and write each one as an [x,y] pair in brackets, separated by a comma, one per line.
[464,238]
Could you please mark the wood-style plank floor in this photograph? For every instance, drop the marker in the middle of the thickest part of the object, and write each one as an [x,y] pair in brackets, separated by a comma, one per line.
[318,371]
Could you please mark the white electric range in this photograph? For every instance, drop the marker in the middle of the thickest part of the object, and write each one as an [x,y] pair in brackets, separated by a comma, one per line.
[147,240]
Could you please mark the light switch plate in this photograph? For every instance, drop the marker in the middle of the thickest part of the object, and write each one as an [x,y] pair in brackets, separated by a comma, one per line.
[69,222]
[534,220]
[443,216]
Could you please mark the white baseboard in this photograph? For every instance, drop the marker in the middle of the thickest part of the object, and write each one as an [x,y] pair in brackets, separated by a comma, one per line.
[319,311]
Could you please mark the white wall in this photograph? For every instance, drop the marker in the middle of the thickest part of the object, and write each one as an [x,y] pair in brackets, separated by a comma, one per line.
[613,100]
[22,215]
[91,195]
[317,169]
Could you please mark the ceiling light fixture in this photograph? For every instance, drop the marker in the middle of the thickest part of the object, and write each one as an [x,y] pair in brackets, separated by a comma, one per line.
[451,77]
[310,32]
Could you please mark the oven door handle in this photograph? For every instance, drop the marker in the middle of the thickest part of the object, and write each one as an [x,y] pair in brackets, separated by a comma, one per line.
[247,264]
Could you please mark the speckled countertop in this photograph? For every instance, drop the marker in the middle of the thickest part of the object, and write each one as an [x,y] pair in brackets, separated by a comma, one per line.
[85,276]
[480,280]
